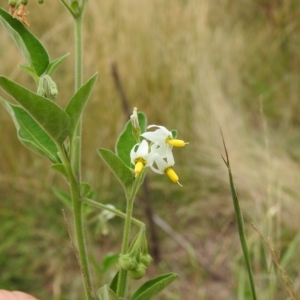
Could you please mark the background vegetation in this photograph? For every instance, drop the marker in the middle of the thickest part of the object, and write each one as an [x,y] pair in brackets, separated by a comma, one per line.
[194,66]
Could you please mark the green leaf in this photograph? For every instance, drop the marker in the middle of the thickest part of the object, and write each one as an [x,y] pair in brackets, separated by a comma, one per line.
[85,189]
[114,283]
[55,64]
[117,166]
[30,133]
[108,262]
[105,293]
[78,102]
[33,51]
[30,72]
[45,112]
[60,168]
[126,139]
[63,197]
[152,287]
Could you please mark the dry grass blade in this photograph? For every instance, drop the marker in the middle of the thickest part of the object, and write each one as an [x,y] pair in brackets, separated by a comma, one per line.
[288,285]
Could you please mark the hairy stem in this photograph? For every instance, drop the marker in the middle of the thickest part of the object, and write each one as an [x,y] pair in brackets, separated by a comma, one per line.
[73,162]
[77,213]
[76,141]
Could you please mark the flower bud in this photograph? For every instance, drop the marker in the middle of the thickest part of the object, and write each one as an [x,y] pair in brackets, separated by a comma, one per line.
[136,130]
[138,272]
[40,1]
[48,86]
[145,259]
[127,262]
[53,90]
[75,6]
[41,90]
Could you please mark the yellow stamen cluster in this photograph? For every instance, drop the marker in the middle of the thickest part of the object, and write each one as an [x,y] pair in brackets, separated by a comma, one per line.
[139,165]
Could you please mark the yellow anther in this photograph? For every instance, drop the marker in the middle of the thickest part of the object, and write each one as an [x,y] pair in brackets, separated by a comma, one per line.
[138,167]
[176,143]
[172,175]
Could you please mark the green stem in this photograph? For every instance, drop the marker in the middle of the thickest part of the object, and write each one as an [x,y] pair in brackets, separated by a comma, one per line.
[122,281]
[113,210]
[78,52]
[76,140]
[79,230]
[73,166]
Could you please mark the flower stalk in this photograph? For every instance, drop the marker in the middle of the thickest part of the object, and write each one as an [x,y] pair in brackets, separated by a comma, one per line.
[122,281]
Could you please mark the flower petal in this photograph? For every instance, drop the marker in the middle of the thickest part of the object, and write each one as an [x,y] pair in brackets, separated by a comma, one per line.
[157,136]
[170,157]
[133,155]
[160,163]
[143,149]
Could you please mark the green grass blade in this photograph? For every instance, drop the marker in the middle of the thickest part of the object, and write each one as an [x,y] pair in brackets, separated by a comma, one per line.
[240,223]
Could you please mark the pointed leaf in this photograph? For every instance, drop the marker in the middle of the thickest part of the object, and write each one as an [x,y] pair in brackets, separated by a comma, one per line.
[33,51]
[85,189]
[108,261]
[30,72]
[60,168]
[152,287]
[78,102]
[46,113]
[105,293]
[55,64]
[126,139]
[114,283]
[121,171]
[63,197]
[30,132]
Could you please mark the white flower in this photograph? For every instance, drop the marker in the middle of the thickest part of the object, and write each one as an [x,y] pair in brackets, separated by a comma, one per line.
[140,156]
[162,136]
[165,166]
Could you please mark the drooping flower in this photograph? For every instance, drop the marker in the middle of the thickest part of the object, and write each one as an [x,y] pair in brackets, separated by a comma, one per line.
[162,136]
[165,166]
[141,157]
